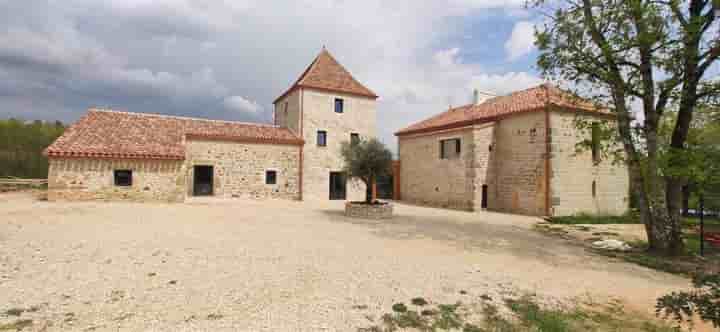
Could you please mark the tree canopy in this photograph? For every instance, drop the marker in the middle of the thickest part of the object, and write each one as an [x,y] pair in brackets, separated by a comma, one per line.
[366,160]
[21,146]
[644,59]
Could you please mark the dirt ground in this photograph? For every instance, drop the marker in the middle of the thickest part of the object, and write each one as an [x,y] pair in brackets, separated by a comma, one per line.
[279,265]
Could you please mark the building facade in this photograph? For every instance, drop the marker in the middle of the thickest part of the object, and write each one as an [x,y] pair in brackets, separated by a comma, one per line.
[516,153]
[111,155]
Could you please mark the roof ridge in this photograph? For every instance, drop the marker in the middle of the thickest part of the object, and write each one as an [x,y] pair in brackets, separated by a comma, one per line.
[178,117]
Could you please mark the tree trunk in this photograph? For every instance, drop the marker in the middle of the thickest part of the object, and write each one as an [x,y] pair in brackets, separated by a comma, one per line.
[685,200]
[673,188]
[368,189]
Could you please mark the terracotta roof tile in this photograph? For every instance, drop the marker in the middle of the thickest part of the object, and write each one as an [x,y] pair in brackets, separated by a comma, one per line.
[534,99]
[326,73]
[113,134]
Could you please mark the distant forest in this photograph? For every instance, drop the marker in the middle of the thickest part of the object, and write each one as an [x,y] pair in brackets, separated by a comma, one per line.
[21,146]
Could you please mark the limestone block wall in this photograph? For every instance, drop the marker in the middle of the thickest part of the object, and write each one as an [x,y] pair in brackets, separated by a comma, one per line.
[318,113]
[287,112]
[484,165]
[239,168]
[520,164]
[573,172]
[429,180]
[93,179]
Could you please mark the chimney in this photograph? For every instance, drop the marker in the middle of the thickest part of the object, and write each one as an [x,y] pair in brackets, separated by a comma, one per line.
[479,96]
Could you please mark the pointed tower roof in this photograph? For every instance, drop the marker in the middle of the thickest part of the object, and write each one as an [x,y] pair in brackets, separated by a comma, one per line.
[326,73]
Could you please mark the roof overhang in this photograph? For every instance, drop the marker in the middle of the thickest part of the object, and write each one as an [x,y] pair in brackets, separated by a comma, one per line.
[465,123]
[299,86]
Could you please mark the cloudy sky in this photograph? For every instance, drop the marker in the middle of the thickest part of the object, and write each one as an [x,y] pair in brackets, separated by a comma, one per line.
[230,59]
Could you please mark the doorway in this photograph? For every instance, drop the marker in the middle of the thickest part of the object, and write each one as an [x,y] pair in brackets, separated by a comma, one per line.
[484,198]
[203,181]
[338,183]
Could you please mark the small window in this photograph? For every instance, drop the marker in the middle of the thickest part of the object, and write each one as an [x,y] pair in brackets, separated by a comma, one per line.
[322,138]
[270,177]
[450,148]
[285,110]
[595,142]
[123,177]
[594,189]
[354,138]
[339,105]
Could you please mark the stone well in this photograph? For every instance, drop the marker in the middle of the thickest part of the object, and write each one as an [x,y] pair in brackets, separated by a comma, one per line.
[374,211]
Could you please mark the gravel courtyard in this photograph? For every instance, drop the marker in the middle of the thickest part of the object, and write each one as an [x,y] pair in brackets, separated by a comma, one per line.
[278,265]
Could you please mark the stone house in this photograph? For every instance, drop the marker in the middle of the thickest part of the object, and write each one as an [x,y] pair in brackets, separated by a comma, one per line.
[515,153]
[148,157]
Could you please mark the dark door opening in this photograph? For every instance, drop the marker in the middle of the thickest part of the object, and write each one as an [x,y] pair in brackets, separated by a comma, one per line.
[338,184]
[384,186]
[203,181]
[484,201]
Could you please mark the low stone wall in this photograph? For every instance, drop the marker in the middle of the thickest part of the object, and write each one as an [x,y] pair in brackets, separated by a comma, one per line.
[81,179]
[377,211]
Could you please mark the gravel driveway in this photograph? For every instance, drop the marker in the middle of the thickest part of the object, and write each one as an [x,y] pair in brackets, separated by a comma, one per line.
[277,265]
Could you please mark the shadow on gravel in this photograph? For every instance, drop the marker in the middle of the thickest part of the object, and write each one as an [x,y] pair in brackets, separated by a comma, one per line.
[479,236]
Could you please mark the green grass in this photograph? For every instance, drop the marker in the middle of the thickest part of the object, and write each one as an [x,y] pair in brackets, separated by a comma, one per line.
[712,223]
[16,325]
[529,315]
[586,219]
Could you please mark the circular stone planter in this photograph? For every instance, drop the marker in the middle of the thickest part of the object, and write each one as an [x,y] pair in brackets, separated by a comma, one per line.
[383,210]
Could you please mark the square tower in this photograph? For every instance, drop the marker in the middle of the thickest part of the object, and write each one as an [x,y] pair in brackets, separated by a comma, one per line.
[325,107]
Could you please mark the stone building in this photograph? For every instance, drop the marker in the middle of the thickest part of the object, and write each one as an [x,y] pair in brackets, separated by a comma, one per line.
[515,153]
[147,157]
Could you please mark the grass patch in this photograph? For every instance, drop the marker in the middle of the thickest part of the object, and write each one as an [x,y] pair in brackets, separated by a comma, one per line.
[14,311]
[399,307]
[16,325]
[526,314]
[586,219]
[419,301]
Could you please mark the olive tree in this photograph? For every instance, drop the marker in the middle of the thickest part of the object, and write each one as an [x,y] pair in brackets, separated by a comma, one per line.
[640,58]
[366,160]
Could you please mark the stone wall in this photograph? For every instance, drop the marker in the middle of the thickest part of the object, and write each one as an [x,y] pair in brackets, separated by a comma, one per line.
[573,172]
[520,164]
[287,112]
[484,165]
[318,114]
[239,168]
[93,179]
[429,180]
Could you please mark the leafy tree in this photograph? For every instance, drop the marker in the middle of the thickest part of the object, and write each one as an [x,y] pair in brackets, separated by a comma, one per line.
[21,146]
[703,300]
[650,53]
[701,156]
[366,160]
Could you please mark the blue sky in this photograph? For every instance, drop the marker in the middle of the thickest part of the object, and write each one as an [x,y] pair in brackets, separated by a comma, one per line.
[229,60]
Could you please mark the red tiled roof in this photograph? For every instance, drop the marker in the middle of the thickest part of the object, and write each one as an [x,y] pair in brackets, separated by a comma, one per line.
[112,134]
[326,73]
[534,99]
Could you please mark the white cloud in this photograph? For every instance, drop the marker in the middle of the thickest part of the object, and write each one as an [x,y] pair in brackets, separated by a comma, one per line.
[242,104]
[521,40]
[225,59]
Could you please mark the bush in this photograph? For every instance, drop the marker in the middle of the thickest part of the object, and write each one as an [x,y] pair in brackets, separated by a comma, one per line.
[703,300]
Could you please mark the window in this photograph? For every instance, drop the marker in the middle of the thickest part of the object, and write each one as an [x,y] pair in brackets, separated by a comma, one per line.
[123,177]
[594,189]
[595,142]
[354,138]
[270,177]
[338,105]
[285,110]
[322,138]
[450,148]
